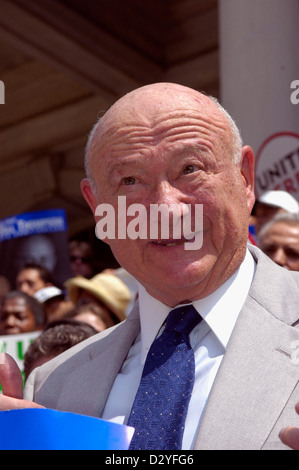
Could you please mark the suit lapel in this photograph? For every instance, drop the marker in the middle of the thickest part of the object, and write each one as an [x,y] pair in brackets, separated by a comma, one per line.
[90,383]
[254,382]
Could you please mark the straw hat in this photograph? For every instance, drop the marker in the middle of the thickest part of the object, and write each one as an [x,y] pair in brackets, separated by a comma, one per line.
[109,289]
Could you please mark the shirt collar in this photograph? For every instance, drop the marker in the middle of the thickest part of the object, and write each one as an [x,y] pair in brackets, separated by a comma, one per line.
[219,309]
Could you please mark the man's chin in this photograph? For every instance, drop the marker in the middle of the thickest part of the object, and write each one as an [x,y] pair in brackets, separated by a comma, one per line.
[184,282]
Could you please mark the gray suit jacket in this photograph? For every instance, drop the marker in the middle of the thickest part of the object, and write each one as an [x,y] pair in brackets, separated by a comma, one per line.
[254,392]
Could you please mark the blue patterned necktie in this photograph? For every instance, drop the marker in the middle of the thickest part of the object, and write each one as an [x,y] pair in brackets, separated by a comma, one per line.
[160,407]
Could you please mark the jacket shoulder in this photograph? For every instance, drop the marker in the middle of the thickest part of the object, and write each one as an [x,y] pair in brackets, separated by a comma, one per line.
[275,288]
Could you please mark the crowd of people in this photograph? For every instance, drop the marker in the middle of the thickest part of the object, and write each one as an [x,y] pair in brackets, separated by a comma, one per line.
[171,144]
[85,304]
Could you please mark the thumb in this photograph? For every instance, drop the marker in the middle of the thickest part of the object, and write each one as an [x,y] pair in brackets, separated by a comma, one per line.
[290,437]
[10,377]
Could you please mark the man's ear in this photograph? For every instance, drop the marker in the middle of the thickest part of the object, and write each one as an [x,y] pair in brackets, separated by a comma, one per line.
[89,195]
[91,200]
[247,171]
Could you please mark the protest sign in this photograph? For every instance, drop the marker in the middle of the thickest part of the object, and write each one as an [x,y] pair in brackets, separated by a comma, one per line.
[277,164]
[38,237]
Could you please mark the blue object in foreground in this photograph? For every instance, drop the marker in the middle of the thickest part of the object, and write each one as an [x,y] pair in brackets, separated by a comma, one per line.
[45,429]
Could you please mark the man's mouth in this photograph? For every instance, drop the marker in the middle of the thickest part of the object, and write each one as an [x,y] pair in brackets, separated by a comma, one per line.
[169,243]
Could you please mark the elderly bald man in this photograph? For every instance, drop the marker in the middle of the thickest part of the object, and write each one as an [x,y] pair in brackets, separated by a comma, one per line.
[168,145]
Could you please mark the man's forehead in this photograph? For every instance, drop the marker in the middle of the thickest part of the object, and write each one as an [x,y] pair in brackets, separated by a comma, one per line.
[151,105]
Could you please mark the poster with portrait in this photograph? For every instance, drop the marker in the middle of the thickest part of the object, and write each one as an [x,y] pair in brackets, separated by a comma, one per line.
[39,237]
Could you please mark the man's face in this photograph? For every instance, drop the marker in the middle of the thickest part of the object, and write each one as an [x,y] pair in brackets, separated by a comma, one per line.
[264,213]
[177,152]
[16,317]
[80,263]
[37,249]
[281,243]
[29,281]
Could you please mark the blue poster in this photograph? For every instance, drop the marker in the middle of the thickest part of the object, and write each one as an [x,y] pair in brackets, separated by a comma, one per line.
[45,429]
[39,237]
[33,223]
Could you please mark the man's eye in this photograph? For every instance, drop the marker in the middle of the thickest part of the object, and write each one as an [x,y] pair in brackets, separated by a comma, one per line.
[189,169]
[128,180]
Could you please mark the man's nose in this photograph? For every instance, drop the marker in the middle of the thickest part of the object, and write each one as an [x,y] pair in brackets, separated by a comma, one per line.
[172,205]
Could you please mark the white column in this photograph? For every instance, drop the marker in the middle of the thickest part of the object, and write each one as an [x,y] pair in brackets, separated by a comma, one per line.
[259,73]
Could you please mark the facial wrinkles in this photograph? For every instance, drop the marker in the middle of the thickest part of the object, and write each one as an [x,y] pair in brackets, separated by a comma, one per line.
[191,122]
[125,140]
[169,131]
[135,132]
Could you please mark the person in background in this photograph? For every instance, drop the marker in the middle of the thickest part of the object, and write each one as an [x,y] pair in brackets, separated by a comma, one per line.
[5,287]
[55,303]
[20,313]
[56,337]
[105,290]
[33,277]
[81,258]
[279,239]
[271,203]
[93,314]
[130,282]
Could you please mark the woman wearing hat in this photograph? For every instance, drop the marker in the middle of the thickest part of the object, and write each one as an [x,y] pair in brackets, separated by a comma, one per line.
[105,291]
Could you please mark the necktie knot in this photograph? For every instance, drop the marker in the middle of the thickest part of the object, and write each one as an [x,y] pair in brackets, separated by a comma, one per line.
[182,319]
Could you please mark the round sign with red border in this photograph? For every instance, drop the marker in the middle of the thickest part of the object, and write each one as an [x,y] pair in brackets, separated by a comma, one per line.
[277,164]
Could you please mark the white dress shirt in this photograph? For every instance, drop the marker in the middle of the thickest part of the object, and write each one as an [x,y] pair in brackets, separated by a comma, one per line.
[208,339]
